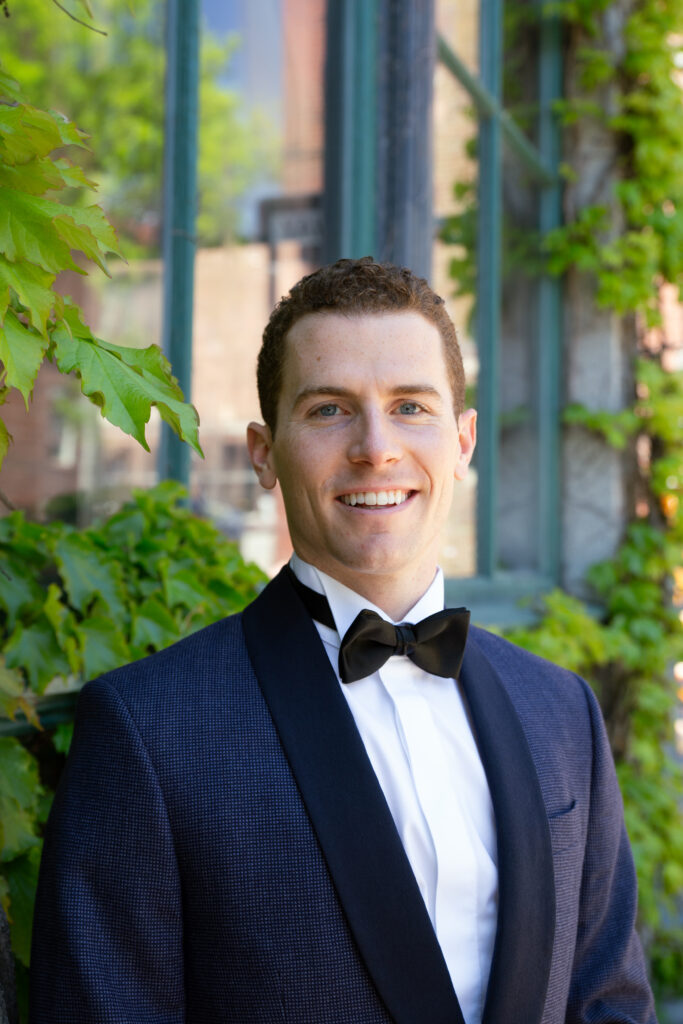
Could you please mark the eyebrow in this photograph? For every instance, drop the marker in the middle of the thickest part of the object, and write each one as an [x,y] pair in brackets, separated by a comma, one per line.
[330,390]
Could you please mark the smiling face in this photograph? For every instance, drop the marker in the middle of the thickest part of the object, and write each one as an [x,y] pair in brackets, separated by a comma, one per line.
[367,450]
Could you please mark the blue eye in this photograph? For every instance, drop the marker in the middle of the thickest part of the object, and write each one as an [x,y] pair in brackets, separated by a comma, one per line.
[328,410]
[408,408]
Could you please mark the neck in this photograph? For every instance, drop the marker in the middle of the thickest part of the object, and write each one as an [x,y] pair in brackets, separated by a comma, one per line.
[395,596]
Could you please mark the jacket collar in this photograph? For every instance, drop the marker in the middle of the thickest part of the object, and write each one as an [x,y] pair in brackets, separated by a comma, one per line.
[349,814]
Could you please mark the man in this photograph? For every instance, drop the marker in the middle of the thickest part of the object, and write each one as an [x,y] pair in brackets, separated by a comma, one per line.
[264,823]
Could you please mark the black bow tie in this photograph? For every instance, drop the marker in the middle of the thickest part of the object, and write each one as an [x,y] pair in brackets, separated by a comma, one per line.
[437,644]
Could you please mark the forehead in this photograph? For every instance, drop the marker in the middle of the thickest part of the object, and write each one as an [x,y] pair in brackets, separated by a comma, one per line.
[383,345]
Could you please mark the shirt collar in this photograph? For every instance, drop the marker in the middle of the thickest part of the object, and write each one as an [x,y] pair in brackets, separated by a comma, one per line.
[345,603]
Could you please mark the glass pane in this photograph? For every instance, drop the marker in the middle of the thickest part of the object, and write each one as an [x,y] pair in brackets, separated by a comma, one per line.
[453,263]
[276,80]
[518,524]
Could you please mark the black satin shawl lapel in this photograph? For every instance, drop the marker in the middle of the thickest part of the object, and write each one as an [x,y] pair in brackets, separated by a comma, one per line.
[348,811]
[526,910]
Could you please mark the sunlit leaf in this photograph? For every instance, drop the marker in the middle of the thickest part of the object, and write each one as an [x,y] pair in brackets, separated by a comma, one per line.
[124,394]
[27,232]
[21,353]
[33,287]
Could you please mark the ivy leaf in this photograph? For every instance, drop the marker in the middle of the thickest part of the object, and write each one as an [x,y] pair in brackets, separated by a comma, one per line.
[18,590]
[63,736]
[103,645]
[16,828]
[22,878]
[181,587]
[13,696]
[35,650]
[153,626]
[21,353]
[19,791]
[19,774]
[33,287]
[88,574]
[115,379]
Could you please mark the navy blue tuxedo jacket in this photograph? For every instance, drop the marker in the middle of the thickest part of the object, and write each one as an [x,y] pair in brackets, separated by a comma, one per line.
[220,851]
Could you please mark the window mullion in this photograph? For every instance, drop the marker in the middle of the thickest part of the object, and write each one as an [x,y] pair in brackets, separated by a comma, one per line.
[549,323]
[489,286]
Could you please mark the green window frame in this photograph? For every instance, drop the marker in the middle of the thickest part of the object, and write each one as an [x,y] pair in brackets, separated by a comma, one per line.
[365,63]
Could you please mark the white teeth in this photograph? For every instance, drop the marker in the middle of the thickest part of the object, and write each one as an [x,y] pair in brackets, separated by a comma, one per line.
[375,498]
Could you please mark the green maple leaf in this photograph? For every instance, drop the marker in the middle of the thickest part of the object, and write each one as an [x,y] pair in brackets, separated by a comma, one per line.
[72,175]
[21,353]
[26,132]
[27,232]
[117,379]
[35,177]
[33,287]
[44,232]
[43,175]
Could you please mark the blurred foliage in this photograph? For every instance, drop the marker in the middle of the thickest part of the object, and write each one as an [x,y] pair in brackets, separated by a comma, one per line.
[76,603]
[41,227]
[113,87]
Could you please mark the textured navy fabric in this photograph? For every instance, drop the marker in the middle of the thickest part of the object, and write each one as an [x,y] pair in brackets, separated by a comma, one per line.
[184,878]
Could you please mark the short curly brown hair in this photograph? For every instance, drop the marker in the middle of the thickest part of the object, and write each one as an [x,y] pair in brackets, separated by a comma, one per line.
[353,287]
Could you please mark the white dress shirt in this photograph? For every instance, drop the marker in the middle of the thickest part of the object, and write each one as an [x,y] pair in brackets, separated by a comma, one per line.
[417,734]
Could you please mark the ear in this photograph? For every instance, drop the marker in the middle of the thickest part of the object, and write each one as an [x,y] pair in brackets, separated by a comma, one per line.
[467,438]
[260,444]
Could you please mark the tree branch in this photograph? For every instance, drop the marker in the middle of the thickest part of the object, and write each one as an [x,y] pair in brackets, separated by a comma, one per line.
[78,21]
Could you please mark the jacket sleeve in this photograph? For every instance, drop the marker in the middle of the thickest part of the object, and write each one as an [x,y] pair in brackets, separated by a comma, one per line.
[609,980]
[107,937]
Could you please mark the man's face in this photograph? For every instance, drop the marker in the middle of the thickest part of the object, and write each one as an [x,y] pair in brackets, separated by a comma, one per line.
[367,446]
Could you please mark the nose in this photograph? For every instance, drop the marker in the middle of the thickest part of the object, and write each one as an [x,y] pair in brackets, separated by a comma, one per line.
[375,440]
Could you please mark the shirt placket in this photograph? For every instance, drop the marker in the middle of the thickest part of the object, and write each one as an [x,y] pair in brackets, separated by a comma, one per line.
[454,907]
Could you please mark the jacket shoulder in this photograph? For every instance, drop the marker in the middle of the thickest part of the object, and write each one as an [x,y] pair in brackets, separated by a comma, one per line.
[200,663]
[535,685]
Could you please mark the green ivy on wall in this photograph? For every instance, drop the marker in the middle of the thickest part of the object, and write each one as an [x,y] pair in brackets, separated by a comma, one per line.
[76,603]
[631,245]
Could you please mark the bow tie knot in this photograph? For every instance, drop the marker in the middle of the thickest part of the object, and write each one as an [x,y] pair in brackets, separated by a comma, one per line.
[436,644]
[405,639]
